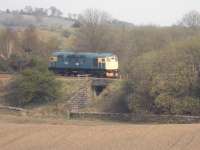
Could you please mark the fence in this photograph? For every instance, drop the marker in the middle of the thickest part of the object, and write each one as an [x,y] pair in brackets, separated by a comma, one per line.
[16,109]
[132,118]
[135,118]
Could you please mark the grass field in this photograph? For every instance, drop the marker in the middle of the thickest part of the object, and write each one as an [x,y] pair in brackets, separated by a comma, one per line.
[21,133]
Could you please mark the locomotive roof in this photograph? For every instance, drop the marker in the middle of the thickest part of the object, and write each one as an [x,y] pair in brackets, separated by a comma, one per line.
[88,54]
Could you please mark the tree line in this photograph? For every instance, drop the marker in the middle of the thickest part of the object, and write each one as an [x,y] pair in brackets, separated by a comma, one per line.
[29,10]
[162,63]
[18,47]
[42,12]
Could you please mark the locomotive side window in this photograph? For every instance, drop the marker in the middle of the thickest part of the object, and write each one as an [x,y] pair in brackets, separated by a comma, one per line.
[71,58]
[66,59]
[60,58]
[82,61]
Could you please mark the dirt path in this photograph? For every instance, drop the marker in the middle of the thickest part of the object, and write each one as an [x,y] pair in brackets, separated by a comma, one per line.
[98,136]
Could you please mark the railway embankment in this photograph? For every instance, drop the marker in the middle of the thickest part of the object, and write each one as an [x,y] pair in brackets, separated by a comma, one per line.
[78,95]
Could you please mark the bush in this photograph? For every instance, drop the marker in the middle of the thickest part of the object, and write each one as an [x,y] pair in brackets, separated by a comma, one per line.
[19,63]
[166,104]
[182,106]
[4,66]
[33,86]
[189,106]
[66,33]
[115,98]
[167,81]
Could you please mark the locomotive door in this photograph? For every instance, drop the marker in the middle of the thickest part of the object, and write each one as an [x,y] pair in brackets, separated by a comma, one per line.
[101,63]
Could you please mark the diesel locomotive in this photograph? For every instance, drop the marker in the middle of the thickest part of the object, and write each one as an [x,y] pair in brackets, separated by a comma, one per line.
[84,63]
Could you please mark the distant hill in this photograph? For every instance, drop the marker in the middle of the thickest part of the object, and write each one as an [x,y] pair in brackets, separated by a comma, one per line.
[19,20]
[122,23]
[12,20]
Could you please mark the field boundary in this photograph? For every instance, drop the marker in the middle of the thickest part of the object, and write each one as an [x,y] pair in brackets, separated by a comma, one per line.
[13,108]
[135,118]
[119,117]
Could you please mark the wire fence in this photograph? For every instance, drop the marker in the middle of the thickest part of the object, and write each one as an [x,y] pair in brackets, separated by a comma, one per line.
[135,118]
[119,117]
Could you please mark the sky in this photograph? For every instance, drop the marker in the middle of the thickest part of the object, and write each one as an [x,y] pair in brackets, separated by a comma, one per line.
[139,12]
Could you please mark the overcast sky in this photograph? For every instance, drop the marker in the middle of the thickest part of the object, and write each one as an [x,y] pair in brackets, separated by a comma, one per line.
[159,12]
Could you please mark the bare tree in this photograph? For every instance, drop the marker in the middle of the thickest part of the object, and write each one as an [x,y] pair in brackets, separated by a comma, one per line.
[94,31]
[28,10]
[191,19]
[30,42]
[40,12]
[94,17]
[55,12]
[7,43]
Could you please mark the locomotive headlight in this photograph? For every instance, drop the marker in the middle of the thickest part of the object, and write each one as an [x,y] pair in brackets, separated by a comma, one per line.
[66,62]
[77,64]
[53,59]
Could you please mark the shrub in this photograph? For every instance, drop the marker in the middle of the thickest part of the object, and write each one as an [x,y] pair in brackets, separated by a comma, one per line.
[166,104]
[167,81]
[19,63]
[66,33]
[189,106]
[115,98]
[182,106]
[33,86]
[4,66]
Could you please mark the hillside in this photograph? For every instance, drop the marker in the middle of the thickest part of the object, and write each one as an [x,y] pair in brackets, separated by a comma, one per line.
[38,21]
[19,20]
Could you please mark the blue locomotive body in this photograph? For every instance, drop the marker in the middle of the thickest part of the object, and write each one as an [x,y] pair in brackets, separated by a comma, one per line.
[78,63]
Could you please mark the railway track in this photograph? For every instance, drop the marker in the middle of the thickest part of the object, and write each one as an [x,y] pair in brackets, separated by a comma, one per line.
[9,76]
[87,76]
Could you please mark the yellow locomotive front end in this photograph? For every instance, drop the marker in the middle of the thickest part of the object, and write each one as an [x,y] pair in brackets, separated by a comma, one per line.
[111,66]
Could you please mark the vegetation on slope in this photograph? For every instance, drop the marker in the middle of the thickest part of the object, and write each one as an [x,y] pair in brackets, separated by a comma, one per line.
[162,63]
[115,98]
[33,86]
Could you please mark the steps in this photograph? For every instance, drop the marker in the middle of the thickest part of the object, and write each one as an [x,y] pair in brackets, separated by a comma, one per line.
[83,96]
[81,99]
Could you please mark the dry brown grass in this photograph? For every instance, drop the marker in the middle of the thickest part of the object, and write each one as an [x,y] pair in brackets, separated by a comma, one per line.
[19,133]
